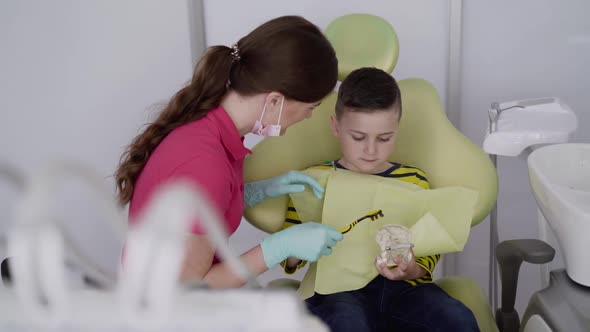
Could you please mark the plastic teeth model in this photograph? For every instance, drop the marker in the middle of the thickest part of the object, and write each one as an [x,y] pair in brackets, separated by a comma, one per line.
[394,241]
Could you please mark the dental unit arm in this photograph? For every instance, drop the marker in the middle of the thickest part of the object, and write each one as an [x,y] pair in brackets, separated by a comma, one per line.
[36,210]
[151,295]
[147,295]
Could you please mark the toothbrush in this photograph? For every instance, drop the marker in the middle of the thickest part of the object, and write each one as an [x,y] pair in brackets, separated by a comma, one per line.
[373,215]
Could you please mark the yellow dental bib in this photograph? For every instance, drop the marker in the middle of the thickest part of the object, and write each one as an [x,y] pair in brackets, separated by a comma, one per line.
[440,220]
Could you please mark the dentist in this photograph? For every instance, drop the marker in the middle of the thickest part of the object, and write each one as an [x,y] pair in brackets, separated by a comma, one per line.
[269,80]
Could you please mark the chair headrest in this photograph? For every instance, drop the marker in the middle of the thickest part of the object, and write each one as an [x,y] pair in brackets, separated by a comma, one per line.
[363,40]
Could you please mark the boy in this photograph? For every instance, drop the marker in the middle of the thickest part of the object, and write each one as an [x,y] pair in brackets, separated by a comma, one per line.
[368,113]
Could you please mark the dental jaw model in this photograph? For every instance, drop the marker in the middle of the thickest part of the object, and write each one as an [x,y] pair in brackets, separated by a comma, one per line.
[394,241]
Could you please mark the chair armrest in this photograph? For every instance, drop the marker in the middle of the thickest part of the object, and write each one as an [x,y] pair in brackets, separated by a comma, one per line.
[510,255]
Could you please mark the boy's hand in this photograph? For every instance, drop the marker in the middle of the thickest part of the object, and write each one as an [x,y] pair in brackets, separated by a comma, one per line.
[403,271]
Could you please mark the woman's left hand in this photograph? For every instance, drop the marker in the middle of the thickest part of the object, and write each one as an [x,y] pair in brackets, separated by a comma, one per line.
[403,271]
[288,183]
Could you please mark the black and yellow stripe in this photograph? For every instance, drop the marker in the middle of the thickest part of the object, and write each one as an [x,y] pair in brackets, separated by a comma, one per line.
[373,215]
[408,174]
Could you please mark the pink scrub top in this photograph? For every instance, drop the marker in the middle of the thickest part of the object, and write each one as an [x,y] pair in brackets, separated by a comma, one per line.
[208,152]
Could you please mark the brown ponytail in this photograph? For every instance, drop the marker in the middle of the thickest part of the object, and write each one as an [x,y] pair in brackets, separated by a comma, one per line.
[192,102]
[288,54]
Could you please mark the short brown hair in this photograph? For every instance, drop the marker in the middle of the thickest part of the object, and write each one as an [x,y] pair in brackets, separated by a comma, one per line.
[367,90]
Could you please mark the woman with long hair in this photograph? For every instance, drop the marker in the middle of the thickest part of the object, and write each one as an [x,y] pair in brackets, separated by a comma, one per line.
[269,80]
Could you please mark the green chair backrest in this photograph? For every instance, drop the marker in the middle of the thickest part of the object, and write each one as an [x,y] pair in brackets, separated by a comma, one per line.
[426,138]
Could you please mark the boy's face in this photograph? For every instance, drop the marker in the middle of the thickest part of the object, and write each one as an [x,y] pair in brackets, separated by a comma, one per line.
[366,139]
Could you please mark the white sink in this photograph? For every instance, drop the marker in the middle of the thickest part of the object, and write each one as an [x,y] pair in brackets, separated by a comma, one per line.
[560,178]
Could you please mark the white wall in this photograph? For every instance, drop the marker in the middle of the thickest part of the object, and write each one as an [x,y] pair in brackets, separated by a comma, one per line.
[422,28]
[77,79]
[518,50]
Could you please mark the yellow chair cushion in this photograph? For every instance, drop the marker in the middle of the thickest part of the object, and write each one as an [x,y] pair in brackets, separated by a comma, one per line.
[470,293]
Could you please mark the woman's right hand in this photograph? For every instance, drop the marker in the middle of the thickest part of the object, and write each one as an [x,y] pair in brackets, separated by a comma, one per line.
[308,241]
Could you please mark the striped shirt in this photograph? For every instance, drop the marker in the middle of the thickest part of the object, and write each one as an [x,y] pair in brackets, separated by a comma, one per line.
[397,171]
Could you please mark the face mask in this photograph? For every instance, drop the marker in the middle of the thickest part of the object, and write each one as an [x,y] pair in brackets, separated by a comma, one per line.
[271,130]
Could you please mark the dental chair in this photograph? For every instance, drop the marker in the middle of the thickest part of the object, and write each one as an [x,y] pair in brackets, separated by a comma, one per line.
[426,140]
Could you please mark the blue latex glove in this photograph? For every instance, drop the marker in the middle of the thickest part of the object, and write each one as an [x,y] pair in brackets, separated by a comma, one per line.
[308,242]
[290,182]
